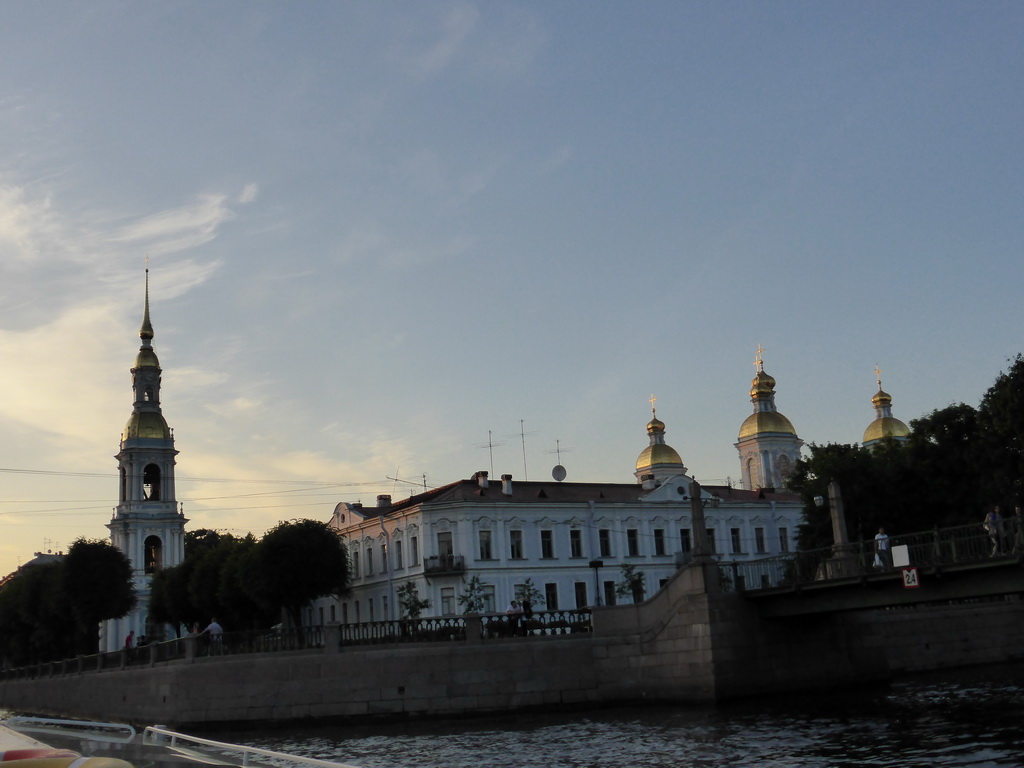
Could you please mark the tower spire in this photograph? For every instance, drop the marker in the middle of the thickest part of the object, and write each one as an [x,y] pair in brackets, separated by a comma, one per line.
[146,332]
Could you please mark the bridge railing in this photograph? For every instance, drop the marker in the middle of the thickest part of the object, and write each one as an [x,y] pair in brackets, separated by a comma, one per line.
[431,629]
[937,547]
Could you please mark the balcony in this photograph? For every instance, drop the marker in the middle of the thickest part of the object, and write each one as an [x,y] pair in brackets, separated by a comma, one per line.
[444,565]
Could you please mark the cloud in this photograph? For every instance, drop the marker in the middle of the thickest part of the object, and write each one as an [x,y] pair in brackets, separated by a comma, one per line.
[249,192]
[454,28]
[27,226]
[177,229]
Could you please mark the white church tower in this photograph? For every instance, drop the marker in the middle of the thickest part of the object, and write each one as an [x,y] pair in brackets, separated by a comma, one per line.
[768,444]
[147,524]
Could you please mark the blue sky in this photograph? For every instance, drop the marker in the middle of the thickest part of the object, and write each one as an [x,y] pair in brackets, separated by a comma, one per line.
[378,231]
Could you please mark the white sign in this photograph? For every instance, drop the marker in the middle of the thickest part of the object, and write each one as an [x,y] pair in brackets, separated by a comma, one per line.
[910,580]
[900,556]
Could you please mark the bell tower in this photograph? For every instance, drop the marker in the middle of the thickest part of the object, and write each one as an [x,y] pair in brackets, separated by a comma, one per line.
[147,525]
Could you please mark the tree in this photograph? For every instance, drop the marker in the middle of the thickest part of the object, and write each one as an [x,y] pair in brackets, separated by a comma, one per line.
[1001,418]
[410,602]
[296,562]
[631,583]
[528,592]
[473,598]
[97,580]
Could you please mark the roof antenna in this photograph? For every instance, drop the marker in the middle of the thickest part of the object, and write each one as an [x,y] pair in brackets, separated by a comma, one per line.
[522,435]
[558,472]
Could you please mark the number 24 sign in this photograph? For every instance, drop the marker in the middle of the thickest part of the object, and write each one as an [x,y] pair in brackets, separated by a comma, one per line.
[910,579]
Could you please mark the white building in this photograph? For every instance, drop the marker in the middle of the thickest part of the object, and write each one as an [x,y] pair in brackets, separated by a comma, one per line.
[147,524]
[569,540]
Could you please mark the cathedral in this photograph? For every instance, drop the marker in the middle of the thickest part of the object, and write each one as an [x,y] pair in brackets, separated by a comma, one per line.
[565,544]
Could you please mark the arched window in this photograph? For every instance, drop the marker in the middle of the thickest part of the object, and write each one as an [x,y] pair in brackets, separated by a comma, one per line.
[124,484]
[151,483]
[147,395]
[154,554]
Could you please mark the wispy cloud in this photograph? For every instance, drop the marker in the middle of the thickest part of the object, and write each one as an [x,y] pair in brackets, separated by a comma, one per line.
[249,192]
[177,229]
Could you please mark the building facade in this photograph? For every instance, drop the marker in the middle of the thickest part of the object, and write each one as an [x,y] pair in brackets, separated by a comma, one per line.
[565,543]
[148,524]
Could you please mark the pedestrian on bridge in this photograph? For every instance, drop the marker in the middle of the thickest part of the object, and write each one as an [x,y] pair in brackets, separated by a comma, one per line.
[994,527]
[883,557]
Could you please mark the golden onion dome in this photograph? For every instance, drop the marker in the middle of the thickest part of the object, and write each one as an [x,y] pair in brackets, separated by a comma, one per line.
[762,384]
[655,425]
[885,426]
[881,398]
[146,424]
[146,358]
[658,454]
[766,421]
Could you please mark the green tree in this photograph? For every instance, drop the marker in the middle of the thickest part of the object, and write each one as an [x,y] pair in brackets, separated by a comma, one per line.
[528,592]
[410,602]
[294,563]
[97,580]
[631,583]
[1001,418]
[473,599]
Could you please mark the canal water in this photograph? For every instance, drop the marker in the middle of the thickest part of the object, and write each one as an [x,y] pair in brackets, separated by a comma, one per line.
[966,718]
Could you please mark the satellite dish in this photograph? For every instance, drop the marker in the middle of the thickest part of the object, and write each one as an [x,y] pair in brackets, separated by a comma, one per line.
[558,472]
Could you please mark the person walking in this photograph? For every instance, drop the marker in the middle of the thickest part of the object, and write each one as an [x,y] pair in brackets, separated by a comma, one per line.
[993,526]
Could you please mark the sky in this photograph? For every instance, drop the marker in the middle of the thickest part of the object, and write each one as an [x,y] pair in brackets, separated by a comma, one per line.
[384,235]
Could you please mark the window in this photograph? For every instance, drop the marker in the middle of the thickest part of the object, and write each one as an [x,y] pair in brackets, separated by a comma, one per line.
[734,537]
[384,607]
[575,543]
[344,613]
[151,483]
[369,603]
[580,588]
[685,540]
[414,551]
[398,554]
[444,544]
[547,544]
[515,541]
[784,539]
[604,538]
[487,595]
[759,539]
[384,558]
[357,612]
[609,593]
[369,563]
[659,541]
[551,597]
[447,601]
[356,573]
[711,540]
[321,615]
[334,613]
[154,554]
[485,545]
[632,542]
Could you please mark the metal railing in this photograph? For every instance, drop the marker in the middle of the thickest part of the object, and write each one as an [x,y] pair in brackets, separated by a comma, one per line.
[959,545]
[433,629]
[541,623]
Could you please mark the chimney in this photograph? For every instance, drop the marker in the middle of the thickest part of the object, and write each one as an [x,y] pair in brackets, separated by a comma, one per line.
[384,501]
[506,484]
[481,478]
[647,482]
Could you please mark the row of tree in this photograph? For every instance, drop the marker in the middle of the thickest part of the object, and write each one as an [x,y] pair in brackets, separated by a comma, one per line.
[959,462]
[246,583]
[53,610]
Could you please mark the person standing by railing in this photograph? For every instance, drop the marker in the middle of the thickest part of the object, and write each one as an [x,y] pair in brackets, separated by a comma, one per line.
[994,527]
[883,557]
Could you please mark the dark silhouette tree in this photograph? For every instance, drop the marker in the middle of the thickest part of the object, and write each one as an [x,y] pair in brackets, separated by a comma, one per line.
[294,563]
[97,580]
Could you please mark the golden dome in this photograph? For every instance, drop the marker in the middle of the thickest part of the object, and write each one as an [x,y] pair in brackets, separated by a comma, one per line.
[655,425]
[146,358]
[762,384]
[146,424]
[885,426]
[881,398]
[658,454]
[766,421]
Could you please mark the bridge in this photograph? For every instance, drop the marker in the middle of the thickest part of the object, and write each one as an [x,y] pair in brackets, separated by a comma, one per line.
[942,565]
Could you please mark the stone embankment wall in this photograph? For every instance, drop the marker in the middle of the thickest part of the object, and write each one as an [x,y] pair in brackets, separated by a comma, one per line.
[689,643]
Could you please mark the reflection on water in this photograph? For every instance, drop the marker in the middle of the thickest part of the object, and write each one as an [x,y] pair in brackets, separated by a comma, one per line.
[971,718]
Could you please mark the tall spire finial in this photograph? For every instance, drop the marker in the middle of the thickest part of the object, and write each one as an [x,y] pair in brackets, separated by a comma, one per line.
[878,376]
[146,332]
[651,401]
